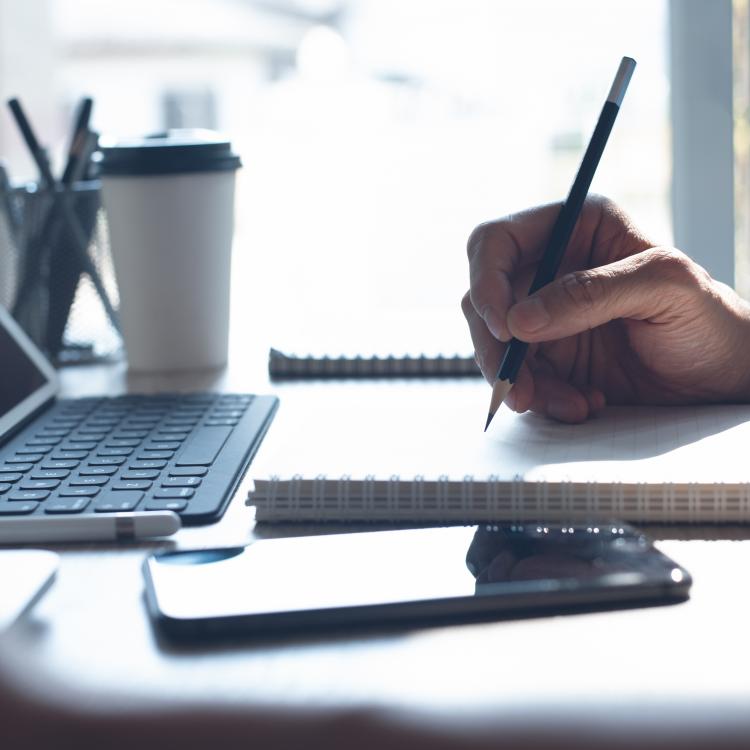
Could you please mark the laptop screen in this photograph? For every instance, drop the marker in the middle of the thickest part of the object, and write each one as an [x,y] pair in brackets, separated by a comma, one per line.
[27,380]
[20,377]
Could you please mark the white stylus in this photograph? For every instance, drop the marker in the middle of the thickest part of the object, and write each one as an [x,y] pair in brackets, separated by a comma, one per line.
[106,527]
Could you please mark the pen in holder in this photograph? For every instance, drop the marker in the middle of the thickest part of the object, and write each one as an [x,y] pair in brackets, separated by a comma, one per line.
[56,273]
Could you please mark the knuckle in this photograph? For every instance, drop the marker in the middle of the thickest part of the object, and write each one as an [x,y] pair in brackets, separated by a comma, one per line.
[582,288]
[478,237]
[603,203]
[466,305]
[675,267]
[490,238]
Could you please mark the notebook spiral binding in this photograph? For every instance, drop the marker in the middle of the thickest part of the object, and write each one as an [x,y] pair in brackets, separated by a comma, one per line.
[283,366]
[493,498]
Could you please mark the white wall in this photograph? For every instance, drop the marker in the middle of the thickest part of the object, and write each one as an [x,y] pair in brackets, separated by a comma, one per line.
[27,59]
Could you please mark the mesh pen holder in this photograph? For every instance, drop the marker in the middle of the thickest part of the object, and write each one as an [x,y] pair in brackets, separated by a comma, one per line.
[56,272]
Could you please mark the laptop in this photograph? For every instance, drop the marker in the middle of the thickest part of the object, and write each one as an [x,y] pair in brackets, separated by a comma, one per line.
[181,452]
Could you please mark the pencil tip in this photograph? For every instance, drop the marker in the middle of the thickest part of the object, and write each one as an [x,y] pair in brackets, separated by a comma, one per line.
[489,419]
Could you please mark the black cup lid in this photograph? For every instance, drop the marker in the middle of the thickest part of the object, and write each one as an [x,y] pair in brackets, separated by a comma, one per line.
[172,152]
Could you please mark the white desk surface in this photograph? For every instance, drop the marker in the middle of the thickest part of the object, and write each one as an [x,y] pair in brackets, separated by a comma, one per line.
[680,665]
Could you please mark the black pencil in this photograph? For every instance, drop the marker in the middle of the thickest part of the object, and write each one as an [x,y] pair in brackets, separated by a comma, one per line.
[78,139]
[563,228]
[37,153]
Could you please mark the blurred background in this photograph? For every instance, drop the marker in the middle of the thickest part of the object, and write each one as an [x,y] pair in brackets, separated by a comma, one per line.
[375,134]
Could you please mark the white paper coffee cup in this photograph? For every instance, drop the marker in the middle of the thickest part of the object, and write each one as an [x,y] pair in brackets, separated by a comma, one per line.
[169,202]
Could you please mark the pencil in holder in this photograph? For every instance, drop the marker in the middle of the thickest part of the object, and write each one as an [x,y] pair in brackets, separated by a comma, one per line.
[56,272]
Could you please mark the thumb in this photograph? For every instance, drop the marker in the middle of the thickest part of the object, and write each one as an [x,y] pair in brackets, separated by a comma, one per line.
[638,287]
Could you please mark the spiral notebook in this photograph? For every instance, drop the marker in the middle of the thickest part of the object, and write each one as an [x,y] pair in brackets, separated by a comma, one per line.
[375,346]
[636,464]
[283,366]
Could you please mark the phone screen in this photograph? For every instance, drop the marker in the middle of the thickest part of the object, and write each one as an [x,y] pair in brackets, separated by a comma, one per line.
[406,574]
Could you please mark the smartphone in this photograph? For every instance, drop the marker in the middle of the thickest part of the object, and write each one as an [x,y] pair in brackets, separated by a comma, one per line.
[414,575]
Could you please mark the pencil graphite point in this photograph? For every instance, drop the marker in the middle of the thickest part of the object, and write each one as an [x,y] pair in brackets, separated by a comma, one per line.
[500,390]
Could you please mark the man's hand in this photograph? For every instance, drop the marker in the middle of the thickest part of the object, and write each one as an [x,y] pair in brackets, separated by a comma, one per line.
[624,323]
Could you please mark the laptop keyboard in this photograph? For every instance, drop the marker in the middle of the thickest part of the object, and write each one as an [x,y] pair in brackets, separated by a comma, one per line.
[184,453]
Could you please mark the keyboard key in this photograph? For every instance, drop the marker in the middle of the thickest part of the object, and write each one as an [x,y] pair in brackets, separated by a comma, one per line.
[44,440]
[137,465]
[155,456]
[78,446]
[69,455]
[103,423]
[130,434]
[173,446]
[113,410]
[26,495]
[15,468]
[65,423]
[17,509]
[172,430]
[187,413]
[107,461]
[78,491]
[204,447]
[138,424]
[137,474]
[85,405]
[30,458]
[114,451]
[10,476]
[34,449]
[66,505]
[117,502]
[91,481]
[39,484]
[84,430]
[198,398]
[180,436]
[226,414]
[63,415]
[115,415]
[97,471]
[85,439]
[60,465]
[133,484]
[174,493]
[175,505]
[119,443]
[4,487]
[54,432]
[188,471]
[181,482]
[50,474]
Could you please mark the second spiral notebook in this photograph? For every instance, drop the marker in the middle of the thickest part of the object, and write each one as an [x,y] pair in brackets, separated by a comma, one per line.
[383,345]
[283,366]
